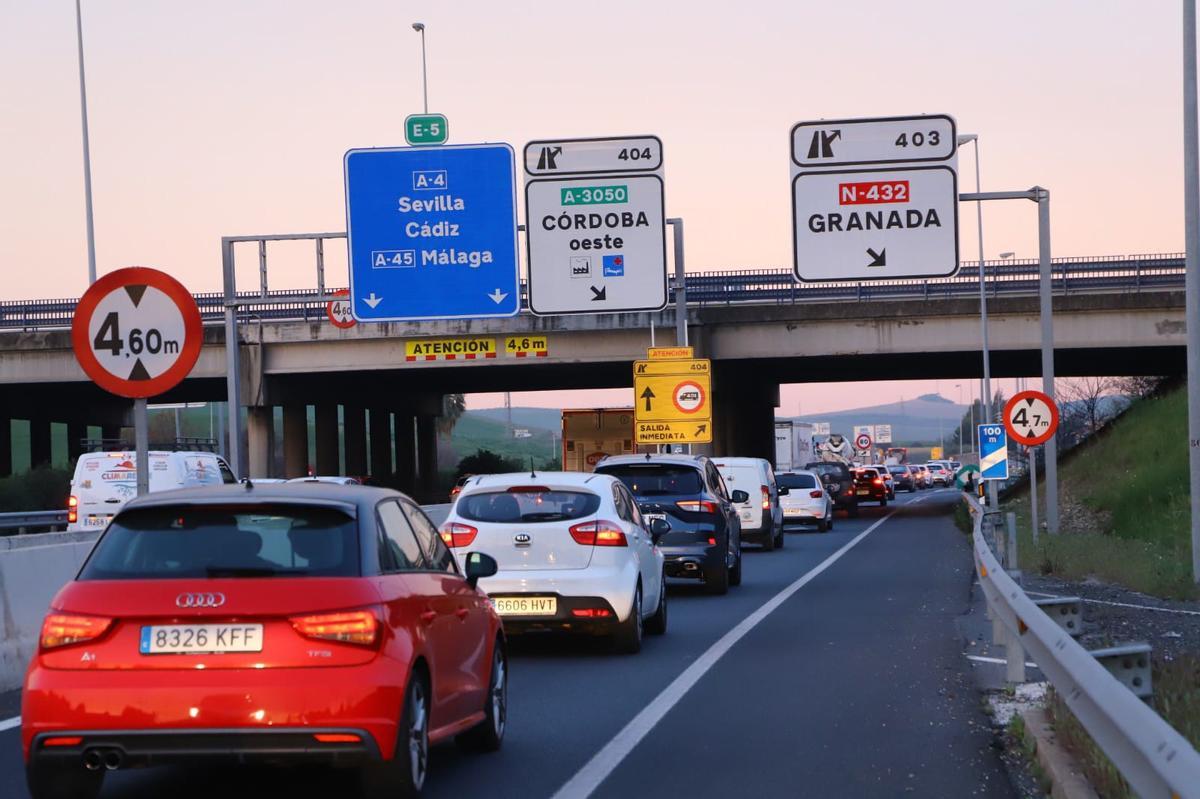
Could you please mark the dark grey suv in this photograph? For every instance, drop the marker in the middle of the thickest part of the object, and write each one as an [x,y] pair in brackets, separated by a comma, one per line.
[704,540]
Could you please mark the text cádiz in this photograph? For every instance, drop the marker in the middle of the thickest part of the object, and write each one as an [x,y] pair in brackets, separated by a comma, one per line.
[451,256]
[873,220]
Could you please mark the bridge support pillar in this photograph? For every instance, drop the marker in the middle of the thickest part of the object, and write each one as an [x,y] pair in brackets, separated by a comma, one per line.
[260,424]
[76,432]
[744,413]
[326,433]
[354,431]
[6,460]
[427,457]
[381,445]
[110,433]
[295,440]
[39,443]
[406,452]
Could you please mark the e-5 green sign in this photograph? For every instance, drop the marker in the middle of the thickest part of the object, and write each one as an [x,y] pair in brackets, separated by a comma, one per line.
[426,129]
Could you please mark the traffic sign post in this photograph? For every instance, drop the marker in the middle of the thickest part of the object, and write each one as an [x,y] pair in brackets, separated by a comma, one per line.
[432,233]
[1031,418]
[893,216]
[425,129]
[137,333]
[672,401]
[993,452]
[596,231]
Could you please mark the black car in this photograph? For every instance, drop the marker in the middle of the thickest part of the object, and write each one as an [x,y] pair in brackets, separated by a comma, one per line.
[869,485]
[839,483]
[687,491]
[903,477]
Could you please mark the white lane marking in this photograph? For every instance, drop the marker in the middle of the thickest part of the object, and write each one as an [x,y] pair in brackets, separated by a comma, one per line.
[604,762]
[1122,604]
[8,724]
[982,659]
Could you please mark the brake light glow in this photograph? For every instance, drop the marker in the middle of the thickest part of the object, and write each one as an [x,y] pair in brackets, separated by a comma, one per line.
[591,613]
[697,505]
[598,533]
[336,738]
[60,629]
[348,627]
[72,510]
[63,740]
[878,481]
[766,498]
[458,535]
[529,490]
[815,494]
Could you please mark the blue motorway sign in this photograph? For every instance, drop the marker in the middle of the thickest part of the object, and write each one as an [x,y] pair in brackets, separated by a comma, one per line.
[993,452]
[432,232]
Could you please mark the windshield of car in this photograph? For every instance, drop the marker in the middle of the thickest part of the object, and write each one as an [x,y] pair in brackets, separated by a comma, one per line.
[796,480]
[835,470]
[897,470]
[518,506]
[226,541]
[656,479]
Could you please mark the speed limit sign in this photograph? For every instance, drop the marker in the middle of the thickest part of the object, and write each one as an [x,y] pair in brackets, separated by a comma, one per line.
[136,332]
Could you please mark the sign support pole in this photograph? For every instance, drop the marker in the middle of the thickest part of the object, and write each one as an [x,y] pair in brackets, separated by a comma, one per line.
[141,443]
[237,453]
[1191,205]
[1046,302]
[1033,497]
[681,330]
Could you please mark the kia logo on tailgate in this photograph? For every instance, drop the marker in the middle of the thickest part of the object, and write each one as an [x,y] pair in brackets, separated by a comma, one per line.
[202,600]
[522,539]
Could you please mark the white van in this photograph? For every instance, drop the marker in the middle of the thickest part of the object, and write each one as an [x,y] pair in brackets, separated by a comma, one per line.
[761,515]
[105,481]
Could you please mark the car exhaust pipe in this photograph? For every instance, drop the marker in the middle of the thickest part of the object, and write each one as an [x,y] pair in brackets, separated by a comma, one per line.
[93,760]
[113,759]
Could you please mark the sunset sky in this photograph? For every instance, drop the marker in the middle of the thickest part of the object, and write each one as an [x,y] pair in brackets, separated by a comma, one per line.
[231,117]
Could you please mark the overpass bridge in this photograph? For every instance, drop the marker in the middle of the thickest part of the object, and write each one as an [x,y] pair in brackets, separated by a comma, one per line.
[376,389]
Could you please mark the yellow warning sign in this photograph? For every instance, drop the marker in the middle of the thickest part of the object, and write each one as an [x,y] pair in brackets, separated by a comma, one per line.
[696,366]
[449,349]
[660,353]
[673,432]
[527,346]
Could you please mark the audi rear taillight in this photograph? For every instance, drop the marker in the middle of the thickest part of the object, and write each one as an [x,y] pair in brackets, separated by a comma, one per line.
[458,535]
[72,510]
[697,505]
[61,629]
[816,494]
[766,497]
[348,627]
[599,534]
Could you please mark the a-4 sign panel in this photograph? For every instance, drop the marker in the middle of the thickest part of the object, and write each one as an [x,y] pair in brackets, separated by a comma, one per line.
[432,232]
[136,332]
[875,225]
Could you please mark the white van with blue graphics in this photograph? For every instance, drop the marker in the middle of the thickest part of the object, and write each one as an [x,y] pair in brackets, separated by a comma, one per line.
[105,481]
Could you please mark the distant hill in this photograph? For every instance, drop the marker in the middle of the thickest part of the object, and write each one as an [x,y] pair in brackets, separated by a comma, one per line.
[475,431]
[912,421]
[529,418]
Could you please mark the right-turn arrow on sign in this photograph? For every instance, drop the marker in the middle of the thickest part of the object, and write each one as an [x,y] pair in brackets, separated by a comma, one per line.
[885,189]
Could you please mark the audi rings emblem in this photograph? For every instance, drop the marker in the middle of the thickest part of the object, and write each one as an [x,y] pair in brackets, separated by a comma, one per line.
[211,599]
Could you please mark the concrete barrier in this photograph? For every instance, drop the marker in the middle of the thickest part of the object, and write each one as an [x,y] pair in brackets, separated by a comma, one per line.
[30,575]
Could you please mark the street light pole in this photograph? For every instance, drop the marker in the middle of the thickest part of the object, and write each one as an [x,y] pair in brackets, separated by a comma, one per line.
[87,154]
[986,399]
[1191,215]
[960,421]
[419,27]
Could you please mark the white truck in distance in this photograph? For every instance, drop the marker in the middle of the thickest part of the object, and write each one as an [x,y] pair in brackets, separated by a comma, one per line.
[793,445]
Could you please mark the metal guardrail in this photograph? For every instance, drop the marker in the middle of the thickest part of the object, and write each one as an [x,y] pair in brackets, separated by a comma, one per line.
[33,518]
[1126,273]
[1155,759]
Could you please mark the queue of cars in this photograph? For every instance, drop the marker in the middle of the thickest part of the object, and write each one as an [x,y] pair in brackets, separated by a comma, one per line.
[322,621]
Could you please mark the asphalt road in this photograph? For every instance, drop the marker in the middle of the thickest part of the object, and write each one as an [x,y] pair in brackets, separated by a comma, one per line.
[854,684]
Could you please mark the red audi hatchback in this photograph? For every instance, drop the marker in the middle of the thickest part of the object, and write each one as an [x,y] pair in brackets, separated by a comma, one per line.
[277,623]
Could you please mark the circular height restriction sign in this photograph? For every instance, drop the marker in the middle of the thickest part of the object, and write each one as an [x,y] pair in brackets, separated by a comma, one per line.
[1031,418]
[338,310]
[136,332]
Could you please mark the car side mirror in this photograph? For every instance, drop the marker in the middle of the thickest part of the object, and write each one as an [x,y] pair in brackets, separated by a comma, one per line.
[480,565]
[659,528]
[740,496]
[784,491]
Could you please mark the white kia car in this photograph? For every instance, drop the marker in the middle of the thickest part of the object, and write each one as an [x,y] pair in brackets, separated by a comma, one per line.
[573,550]
[806,502]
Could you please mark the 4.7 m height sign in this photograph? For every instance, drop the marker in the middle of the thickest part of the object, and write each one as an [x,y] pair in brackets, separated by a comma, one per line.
[875,199]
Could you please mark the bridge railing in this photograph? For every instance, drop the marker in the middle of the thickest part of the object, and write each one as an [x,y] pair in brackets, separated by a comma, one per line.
[1151,755]
[1127,273]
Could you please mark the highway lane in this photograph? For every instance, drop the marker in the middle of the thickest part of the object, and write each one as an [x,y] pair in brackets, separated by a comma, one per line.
[858,673]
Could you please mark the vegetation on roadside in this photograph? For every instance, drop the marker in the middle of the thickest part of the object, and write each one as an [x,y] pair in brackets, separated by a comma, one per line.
[1176,699]
[1125,507]
[44,488]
